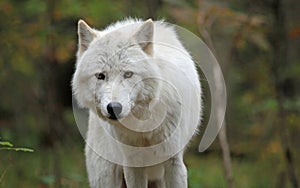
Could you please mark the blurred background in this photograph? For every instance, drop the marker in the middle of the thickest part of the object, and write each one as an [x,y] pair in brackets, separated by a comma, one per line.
[257,43]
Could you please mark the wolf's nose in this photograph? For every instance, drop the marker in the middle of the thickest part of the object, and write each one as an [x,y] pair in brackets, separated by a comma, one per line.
[114,109]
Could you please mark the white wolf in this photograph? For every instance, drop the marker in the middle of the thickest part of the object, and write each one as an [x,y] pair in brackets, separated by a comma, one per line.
[144,99]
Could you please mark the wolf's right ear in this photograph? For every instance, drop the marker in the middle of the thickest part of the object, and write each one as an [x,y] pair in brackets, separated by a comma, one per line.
[85,36]
[144,36]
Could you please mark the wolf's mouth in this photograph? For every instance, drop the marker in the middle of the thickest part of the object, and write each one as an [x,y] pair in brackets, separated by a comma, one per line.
[113,117]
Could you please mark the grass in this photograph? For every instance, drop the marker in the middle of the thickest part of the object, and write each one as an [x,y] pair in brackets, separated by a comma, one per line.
[40,169]
[206,171]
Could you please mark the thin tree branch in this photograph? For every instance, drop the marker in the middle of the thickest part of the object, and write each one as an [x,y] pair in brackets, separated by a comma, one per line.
[222,134]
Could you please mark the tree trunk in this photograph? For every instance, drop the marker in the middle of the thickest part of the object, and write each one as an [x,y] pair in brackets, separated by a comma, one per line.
[53,108]
[152,7]
[279,43]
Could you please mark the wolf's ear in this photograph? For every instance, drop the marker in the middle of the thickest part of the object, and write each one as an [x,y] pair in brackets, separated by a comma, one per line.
[144,37]
[85,36]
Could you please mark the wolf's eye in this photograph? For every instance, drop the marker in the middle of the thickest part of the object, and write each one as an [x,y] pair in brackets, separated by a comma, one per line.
[128,74]
[100,76]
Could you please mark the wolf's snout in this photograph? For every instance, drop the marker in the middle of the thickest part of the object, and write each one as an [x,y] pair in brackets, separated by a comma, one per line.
[114,109]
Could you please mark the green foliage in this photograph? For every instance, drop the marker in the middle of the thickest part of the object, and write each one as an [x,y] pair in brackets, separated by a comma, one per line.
[5,145]
[48,179]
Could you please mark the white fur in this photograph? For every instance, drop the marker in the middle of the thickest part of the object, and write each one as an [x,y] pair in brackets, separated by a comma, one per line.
[164,72]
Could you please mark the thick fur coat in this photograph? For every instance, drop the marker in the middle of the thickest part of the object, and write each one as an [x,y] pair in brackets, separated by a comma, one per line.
[144,99]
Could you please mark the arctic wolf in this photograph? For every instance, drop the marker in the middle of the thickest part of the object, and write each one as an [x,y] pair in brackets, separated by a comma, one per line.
[144,99]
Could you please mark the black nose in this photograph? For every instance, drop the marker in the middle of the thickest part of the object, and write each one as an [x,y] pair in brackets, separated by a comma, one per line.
[114,109]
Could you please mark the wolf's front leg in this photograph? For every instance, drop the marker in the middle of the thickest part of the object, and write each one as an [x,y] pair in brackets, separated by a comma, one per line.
[175,173]
[102,173]
[135,177]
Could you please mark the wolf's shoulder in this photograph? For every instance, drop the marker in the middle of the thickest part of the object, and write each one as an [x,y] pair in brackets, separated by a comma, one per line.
[134,22]
[164,33]
[123,23]
[161,28]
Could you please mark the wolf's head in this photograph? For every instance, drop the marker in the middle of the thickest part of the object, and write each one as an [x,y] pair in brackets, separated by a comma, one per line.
[115,69]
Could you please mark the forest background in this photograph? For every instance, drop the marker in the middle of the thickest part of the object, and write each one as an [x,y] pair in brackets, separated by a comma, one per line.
[257,43]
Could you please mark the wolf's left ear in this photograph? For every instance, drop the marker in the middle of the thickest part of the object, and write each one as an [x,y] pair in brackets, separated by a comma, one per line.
[85,36]
[144,37]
